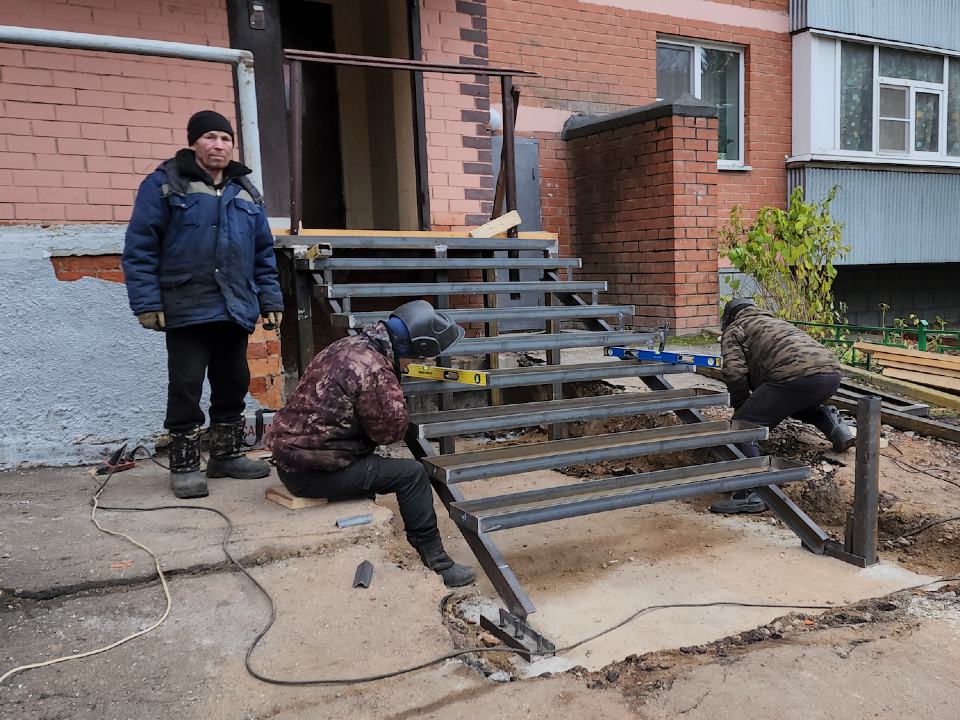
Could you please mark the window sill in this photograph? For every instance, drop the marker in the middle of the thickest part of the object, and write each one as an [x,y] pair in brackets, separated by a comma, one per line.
[733,168]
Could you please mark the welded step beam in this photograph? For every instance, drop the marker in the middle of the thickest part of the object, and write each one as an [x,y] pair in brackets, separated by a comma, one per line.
[481,464]
[526,342]
[454,288]
[544,374]
[559,503]
[498,314]
[446,263]
[457,422]
[413,242]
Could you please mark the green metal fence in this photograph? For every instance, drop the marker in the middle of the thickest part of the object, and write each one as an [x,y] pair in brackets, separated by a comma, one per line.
[927,339]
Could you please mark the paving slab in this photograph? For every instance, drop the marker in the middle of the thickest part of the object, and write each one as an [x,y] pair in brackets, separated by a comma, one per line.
[48,543]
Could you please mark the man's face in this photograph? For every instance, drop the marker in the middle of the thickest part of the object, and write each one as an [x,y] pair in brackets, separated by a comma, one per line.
[213,149]
[405,363]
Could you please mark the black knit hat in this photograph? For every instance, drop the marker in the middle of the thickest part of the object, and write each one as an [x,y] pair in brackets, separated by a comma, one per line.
[205,121]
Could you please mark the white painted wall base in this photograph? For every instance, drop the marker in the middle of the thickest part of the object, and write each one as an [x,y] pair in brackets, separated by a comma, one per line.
[78,375]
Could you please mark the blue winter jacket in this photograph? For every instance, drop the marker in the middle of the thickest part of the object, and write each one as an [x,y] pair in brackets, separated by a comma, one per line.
[197,252]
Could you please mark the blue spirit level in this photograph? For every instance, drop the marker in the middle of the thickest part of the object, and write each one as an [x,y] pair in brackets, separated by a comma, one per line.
[629,353]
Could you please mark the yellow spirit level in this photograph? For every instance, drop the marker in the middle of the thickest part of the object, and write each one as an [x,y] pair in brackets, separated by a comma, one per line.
[429,372]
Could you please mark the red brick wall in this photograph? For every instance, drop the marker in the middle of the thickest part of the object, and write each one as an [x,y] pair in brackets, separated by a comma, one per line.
[79,130]
[644,202]
[599,59]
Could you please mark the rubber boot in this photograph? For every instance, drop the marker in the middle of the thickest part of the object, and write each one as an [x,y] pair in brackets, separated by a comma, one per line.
[436,558]
[186,480]
[828,422]
[742,501]
[227,458]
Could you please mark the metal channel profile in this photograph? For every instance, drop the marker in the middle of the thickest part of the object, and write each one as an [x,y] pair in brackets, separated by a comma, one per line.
[549,312]
[539,375]
[538,506]
[409,263]
[523,342]
[457,422]
[482,464]
[388,241]
[456,288]
[793,517]
[514,632]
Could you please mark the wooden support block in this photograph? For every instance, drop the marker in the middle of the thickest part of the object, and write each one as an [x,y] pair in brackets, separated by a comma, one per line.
[497,226]
[279,494]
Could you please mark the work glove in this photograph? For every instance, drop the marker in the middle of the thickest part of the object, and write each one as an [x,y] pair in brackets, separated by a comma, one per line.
[272,320]
[152,320]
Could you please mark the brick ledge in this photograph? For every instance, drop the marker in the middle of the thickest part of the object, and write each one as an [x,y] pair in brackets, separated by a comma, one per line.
[684,106]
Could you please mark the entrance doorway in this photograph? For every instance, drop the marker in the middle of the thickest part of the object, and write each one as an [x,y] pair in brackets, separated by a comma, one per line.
[359,144]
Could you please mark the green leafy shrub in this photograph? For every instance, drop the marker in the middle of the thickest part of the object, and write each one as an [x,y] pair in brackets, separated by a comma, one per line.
[791,255]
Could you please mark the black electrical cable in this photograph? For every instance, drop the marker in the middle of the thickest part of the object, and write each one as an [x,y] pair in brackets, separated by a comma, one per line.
[448,656]
[913,469]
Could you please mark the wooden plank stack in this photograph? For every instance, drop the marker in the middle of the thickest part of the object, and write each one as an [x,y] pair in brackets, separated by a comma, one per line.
[923,368]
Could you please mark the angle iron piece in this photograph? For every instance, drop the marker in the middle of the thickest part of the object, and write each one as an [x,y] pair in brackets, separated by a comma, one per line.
[516,633]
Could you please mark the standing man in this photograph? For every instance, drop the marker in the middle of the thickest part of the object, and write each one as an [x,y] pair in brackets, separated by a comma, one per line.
[349,401]
[199,266]
[773,371]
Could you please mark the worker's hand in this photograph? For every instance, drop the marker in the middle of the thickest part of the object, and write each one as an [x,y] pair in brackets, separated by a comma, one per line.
[272,320]
[152,320]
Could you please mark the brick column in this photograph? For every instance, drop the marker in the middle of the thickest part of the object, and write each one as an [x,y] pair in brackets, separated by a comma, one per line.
[643,198]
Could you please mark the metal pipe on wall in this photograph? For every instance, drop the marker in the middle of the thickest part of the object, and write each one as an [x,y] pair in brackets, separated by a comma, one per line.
[242,59]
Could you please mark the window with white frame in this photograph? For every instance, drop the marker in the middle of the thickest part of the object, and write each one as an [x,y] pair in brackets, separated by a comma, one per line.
[898,102]
[713,73]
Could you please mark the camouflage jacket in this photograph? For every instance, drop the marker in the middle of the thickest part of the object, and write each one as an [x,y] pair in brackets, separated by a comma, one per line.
[757,348]
[348,401]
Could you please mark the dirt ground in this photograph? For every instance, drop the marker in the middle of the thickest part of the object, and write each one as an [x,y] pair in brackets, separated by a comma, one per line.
[872,649]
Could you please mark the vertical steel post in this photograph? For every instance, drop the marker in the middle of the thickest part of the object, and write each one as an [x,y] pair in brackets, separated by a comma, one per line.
[866,494]
[296,146]
[509,147]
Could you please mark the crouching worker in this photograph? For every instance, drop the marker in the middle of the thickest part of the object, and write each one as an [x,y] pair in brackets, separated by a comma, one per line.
[349,401]
[773,371]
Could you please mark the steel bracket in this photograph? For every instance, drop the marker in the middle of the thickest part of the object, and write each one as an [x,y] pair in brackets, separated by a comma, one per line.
[517,634]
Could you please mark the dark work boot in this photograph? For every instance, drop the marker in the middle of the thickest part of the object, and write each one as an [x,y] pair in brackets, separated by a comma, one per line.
[186,480]
[436,558]
[227,458]
[742,501]
[827,420]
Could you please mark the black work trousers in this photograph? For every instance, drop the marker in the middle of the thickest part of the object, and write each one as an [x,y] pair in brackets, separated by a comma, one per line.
[217,350]
[773,402]
[373,474]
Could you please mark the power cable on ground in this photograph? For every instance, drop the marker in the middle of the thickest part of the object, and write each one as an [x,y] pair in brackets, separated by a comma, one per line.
[370,678]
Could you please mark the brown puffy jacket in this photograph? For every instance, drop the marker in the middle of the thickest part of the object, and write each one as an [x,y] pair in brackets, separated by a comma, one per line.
[758,347]
[348,401]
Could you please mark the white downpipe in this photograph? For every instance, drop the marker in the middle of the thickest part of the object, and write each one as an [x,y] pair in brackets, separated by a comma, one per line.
[242,59]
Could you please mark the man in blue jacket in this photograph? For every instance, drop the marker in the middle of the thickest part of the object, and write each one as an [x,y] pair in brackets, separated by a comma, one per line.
[199,265]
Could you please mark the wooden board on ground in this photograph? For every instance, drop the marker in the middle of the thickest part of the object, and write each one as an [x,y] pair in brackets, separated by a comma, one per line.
[497,226]
[900,365]
[917,357]
[922,378]
[279,494]
[921,393]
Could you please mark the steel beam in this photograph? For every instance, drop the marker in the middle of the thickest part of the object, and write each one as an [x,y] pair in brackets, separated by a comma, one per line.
[487,553]
[522,342]
[538,375]
[447,263]
[482,464]
[458,288]
[866,494]
[500,314]
[538,506]
[391,241]
[458,422]
[793,517]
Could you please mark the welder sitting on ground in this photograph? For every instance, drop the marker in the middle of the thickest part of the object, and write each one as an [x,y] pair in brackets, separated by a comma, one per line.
[349,401]
[773,371]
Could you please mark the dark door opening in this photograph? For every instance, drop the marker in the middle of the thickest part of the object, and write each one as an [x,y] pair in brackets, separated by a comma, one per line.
[308,25]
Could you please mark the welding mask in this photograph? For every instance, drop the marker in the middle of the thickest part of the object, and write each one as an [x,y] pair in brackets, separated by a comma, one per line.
[418,331]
